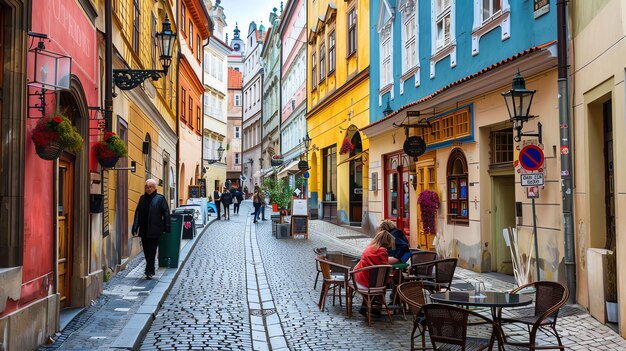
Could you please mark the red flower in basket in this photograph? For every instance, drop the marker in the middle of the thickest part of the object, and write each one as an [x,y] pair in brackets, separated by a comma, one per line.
[109,149]
[57,129]
[346,147]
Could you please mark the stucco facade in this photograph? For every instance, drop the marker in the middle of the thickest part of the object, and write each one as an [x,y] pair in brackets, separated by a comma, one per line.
[338,107]
[233,134]
[270,114]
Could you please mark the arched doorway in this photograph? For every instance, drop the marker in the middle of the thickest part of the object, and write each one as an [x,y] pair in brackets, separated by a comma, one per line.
[356,180]
[181,190]
[71,200]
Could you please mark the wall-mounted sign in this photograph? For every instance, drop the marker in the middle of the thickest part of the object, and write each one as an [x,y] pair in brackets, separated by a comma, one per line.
[374,181]
[303,165]
[414,146]
[532,179]
[541,7]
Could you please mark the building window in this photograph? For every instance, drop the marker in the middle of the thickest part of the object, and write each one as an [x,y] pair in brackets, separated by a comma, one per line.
[237,99]
[449,126]
[351,32]
[190,115]
[136,26]
[331,52]
[385,71]
[183,13]
[409,54]
[148,165]
[329,158]
[322,61]
[237,160]
[490,8]
[502,147]
[182,108]
[458,209]
[237,132]
[198,46]
[443,23]
[190,35]
[207,62]
[313,72]
[198,120]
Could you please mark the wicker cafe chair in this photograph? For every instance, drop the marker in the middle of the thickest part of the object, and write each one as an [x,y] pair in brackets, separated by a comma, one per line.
[444,274]
[549,298]
[419,265]
[412,294]
[447,327]
[330,282]
[377,289]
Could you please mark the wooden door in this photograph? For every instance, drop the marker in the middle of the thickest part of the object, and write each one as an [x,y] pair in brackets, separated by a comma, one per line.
[65,225]
[503,217]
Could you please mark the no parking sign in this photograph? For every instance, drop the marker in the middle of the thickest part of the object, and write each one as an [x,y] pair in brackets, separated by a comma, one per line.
[531,157]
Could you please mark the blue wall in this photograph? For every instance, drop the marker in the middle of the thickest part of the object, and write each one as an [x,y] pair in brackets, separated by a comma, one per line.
[525,32]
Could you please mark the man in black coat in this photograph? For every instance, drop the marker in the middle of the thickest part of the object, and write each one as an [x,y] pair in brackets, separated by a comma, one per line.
[152,219]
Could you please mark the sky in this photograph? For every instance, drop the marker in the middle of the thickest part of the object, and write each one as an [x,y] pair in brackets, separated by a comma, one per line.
[245,11]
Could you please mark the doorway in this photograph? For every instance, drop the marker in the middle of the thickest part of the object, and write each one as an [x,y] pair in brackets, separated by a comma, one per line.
[122,198]
[609,185]
[503,192]
[65,213]
[356,181]
[397,204]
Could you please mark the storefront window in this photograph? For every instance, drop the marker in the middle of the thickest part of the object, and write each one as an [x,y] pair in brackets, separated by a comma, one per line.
[329,157]
[458,210]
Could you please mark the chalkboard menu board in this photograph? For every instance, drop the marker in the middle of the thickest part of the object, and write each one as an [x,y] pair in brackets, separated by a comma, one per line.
[300,226]
[202,184]
[194,191]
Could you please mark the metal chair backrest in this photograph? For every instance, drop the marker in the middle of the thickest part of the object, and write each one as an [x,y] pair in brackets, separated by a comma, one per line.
[444,272]
[412,293]
[421,257]
[447,325]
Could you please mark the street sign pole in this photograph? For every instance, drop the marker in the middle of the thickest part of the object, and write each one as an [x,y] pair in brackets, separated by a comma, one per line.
[536,243]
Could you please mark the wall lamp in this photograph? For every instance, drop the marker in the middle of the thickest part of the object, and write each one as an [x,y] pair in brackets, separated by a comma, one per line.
[518,101]
[220,153]
[127,79]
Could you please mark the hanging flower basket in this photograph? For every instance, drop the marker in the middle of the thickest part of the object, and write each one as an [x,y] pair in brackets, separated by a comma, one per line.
[53,134]
[346,147]
[50,151]
[276,160]
[109,150]
[429,203]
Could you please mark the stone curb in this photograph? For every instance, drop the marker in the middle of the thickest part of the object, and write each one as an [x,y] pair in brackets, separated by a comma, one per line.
[137,327]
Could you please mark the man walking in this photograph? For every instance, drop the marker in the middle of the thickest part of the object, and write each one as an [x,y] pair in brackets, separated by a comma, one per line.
[152,218]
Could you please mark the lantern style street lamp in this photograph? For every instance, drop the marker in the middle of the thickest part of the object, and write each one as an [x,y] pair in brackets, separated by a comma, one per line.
[307,142]
[518,101]
[220,153]
[127,79]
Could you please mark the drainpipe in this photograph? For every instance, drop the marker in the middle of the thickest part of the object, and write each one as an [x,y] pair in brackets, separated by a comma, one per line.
[566,157]
[202,172]
[108,67]
[177,110]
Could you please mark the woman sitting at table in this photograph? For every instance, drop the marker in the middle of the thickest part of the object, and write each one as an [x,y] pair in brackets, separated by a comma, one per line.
[401,252]
[374,254]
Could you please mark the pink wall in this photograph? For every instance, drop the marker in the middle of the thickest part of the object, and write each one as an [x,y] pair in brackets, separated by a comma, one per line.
[292,31]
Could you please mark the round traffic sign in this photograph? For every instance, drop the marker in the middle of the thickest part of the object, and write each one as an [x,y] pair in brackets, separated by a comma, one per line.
[531,157]
[306,175]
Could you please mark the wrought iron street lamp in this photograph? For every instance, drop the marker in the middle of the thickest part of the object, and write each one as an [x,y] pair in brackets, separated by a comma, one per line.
[307,142]
[388,110]
[220,153]
[127,79]
[518,101]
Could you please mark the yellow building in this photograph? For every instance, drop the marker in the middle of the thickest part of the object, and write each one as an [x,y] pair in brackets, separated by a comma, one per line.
[338,107]
[144,117]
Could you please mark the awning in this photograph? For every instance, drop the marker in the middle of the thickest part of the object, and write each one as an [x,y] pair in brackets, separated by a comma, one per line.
[355,157]
[293,166]
[267,171]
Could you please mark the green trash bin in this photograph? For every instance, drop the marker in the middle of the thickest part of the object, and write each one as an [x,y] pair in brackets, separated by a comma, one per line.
[169,245]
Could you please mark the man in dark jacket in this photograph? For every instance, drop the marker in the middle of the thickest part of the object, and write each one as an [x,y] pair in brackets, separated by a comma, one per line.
[152,219]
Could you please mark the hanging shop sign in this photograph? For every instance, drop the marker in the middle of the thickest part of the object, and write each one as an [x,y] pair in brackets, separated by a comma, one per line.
[414,146]
[303,165]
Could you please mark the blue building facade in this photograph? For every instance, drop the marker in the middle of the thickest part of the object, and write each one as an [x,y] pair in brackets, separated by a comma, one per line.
[444,64]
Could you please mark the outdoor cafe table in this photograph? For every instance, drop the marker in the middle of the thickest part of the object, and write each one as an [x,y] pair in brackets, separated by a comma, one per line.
[492,299]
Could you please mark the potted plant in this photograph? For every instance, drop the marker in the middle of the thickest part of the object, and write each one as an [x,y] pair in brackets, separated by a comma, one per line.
[53,134]
[611,288]
[429,203]
[109,149]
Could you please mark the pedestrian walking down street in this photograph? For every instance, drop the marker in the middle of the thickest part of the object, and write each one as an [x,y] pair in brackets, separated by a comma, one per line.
[152,219]
[227,199]
[237,199]
[216,199]
[256,201]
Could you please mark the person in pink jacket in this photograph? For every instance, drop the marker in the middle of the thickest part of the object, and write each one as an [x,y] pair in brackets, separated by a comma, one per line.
[374,254]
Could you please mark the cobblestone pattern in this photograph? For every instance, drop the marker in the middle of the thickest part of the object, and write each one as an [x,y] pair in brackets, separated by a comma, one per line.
[98,325]
[206,308]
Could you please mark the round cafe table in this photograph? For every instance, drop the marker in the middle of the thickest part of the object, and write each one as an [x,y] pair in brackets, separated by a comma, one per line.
[492,299]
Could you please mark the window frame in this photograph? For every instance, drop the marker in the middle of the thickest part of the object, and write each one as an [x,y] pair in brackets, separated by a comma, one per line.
[409,43]
[313,72]
[322,66]
[198,46]
[352,39]
[183,17]
[190,35]
[183,108]
[459,202]
[198,120]
[332,52]
[190,119]
[329,168]
[136,26]
[491,11]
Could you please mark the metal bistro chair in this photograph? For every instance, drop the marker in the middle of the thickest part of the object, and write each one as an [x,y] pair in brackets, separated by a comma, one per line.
[319,251]
[330,282]
[378,276]
[419,267]
[549,298]
[447,326]
[412,294]
[444,274]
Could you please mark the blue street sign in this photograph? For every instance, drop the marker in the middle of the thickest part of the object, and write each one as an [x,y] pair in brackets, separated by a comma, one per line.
[306,175]
[531,157]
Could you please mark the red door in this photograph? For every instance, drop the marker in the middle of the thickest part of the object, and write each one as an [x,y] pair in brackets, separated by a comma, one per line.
[397,202]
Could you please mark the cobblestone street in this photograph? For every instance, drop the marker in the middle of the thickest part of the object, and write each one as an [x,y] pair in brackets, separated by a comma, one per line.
[243,289]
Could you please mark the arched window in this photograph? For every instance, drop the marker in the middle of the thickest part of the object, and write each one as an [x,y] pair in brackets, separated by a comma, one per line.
[458,209]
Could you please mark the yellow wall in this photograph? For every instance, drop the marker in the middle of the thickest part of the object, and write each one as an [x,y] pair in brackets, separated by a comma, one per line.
[331,107]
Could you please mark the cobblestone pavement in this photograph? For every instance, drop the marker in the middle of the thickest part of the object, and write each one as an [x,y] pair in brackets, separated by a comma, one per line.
[243,289]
